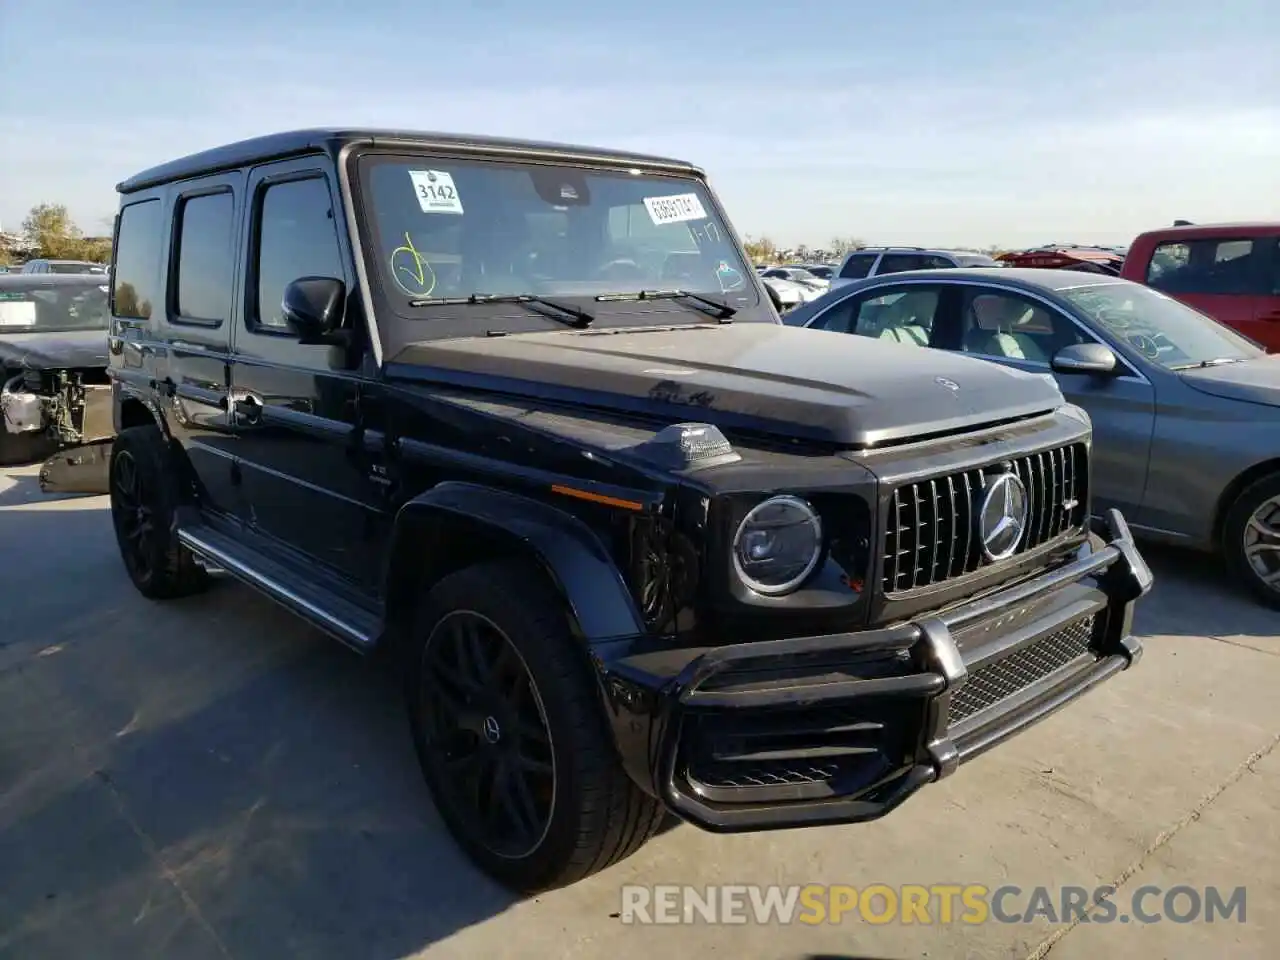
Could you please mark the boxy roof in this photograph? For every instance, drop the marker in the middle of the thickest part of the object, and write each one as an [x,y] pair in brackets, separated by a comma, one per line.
[278,146]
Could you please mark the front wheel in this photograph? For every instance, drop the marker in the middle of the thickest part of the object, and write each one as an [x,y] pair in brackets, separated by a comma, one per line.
[1251,539]
[510,735]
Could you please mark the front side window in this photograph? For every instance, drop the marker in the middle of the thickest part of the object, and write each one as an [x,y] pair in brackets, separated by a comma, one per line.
[1163,330]
[296,238]
[1012,327]
[1207,266]
[447,229]
[901,316]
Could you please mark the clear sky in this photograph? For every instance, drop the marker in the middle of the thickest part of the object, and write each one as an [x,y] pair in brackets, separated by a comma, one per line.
[915,121]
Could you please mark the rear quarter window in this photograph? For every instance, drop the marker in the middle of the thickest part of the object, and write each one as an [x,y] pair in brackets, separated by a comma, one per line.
[857,266]
[1212,265]
[139,247]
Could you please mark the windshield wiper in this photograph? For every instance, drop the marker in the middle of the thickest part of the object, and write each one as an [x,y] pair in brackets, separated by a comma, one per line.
[1200,365]
[575,317]
[721,309]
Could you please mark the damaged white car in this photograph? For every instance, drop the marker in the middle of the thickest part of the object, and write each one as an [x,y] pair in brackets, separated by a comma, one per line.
[54,391]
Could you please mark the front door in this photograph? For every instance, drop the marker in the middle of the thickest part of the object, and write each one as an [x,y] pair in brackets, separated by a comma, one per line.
[296,407]
[1023,332]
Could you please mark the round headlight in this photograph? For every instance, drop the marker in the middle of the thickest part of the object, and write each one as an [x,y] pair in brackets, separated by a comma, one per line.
[777,545]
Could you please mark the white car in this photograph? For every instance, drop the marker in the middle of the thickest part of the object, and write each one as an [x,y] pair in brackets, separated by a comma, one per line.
[797,275]
[790,293]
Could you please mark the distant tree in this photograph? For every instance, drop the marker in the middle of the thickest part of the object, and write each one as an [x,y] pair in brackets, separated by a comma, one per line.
[54,234]
[839,246]
[761,249]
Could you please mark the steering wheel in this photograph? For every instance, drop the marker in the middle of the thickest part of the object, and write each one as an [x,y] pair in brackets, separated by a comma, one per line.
[1145,345]
[622,268]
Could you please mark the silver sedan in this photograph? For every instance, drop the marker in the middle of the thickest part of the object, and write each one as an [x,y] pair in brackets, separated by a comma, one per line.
[1186,412]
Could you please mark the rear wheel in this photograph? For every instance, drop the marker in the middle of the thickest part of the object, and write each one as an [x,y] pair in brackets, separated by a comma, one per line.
[510,735]
[144,498]
[1251,539]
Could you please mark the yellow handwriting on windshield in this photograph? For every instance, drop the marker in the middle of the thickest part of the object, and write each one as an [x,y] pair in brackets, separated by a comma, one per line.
[411,270]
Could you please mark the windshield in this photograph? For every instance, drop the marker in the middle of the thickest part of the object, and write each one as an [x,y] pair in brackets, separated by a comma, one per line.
[453,229]
[35,306]
[1166,332]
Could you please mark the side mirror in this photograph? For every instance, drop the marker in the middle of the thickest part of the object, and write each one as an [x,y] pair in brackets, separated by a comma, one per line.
[314,308]
[1090,359]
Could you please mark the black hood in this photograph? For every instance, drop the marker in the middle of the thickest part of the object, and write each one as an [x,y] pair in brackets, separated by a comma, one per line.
[1253,381]
[53,350]
[811,384]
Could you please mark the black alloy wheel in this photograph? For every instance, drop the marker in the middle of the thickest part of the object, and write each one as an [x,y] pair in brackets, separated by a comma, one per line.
[486,733]
[132,514]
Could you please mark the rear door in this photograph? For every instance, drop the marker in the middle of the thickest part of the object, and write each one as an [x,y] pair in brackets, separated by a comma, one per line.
[1024,332]
[1226,277]
[172,304]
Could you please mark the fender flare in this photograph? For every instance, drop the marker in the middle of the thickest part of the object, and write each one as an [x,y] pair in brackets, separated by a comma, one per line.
[569,552]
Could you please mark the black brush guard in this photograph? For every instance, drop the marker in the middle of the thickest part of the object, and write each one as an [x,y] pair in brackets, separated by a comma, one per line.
[844,728]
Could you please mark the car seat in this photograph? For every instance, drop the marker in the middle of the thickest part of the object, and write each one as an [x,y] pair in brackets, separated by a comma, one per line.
[900,322]
[992,330]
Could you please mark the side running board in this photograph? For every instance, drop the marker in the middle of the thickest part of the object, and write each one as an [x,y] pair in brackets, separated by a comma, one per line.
[351,623]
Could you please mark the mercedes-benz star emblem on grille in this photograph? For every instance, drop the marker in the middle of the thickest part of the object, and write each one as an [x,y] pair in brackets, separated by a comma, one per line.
[1002,516]
[949,384]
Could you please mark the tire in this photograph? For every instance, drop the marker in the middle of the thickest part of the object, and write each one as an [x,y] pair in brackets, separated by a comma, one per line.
[587,814]
[1256,508]
[157,564]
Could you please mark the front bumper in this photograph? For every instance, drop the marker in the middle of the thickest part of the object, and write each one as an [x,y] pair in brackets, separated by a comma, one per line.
[844,728]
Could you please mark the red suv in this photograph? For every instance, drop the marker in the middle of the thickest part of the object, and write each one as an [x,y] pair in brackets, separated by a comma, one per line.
[1231,271]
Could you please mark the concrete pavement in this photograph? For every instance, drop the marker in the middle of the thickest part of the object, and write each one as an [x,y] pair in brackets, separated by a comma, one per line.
[210,778]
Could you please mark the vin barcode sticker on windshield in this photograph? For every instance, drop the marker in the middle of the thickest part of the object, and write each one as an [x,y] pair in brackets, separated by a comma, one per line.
[17,314]
[675,208]
[436,192]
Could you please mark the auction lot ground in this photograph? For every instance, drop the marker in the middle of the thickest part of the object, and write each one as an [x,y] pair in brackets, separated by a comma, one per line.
[210,778]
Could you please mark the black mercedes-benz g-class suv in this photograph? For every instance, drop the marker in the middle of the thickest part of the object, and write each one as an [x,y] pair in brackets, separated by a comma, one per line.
[521,415]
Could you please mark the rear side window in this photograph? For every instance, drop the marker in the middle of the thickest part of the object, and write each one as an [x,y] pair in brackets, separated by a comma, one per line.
[898,262]
[296,238]
[202,288]
[135,276]
[857,266]
[902,316]
[1211,266]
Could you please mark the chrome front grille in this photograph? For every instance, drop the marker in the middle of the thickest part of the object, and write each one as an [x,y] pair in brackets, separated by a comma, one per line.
[931,534]
[997,681]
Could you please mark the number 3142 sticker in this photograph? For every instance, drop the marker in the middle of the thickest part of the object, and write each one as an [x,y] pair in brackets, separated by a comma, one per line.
[435,191]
